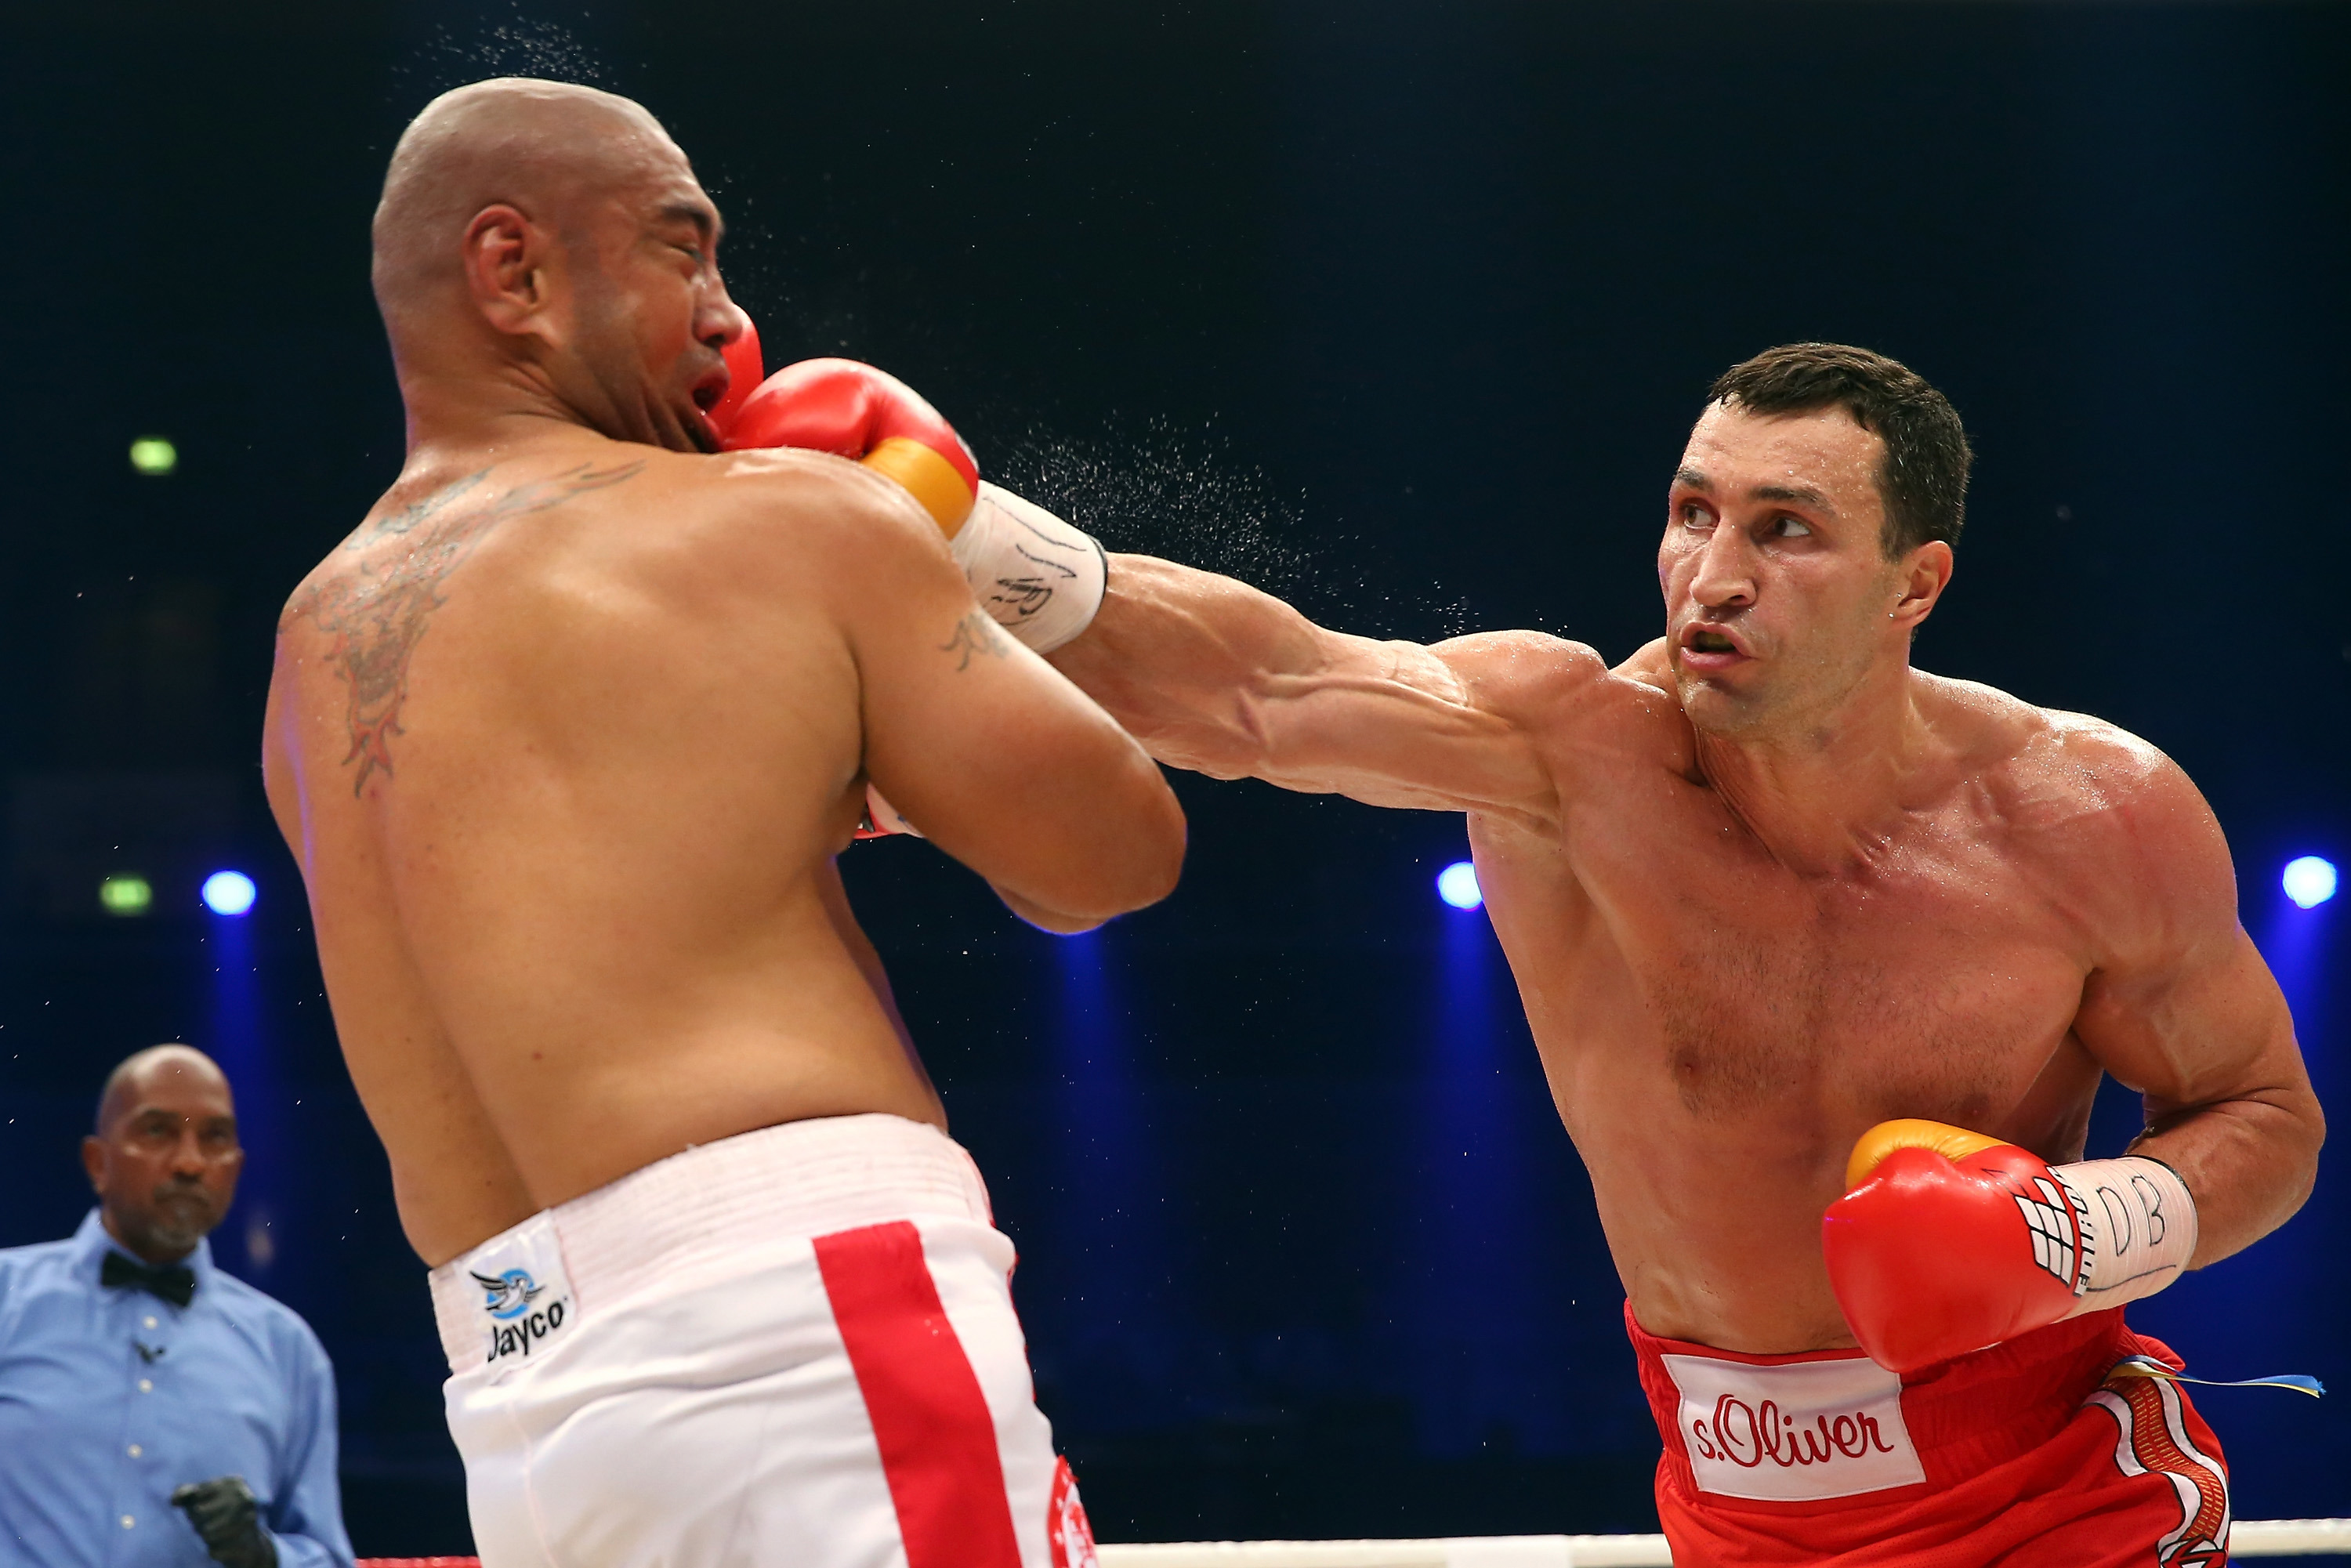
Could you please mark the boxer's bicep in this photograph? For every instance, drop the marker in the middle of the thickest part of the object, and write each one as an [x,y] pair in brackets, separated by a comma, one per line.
[2210,1048]
[2193,1030]
[999,760]
[2181,1007]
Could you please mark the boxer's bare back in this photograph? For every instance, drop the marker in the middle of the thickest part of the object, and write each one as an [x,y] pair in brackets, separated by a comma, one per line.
[566,733]
[1764,885]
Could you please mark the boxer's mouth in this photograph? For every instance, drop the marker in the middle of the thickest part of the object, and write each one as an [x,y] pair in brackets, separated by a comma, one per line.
[711,388]
[1706,647]
[696,422]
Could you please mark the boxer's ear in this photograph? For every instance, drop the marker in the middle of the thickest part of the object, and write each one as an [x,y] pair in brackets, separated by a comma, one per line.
[1924,576]
[510,269]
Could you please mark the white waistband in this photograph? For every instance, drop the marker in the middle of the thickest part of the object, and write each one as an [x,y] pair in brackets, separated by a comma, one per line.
[690,1215]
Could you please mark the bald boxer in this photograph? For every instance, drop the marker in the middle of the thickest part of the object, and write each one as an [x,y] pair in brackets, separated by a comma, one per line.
[565,736]
[1766,887]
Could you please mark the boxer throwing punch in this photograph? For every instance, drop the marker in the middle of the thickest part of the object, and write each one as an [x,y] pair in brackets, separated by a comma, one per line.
[565,737]
[1789,917]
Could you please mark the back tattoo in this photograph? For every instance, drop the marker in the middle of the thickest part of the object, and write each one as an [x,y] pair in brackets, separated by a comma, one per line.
[376,610]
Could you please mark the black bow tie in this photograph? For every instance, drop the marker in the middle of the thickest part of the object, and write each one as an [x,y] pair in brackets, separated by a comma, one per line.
[170,1281]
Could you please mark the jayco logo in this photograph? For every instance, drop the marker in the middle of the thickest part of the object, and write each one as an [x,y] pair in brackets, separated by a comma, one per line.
[509,1295]
[511,1298]
[1747,1434]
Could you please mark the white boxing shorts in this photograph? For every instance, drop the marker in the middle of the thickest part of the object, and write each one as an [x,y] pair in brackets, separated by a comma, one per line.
[793,1346]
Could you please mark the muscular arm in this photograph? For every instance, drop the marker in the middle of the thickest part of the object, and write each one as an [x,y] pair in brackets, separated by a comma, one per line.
[999,760]
[2183,1010]
[1213,676]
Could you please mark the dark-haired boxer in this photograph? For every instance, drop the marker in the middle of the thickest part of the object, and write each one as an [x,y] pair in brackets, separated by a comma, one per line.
[1764,886]
[565,736]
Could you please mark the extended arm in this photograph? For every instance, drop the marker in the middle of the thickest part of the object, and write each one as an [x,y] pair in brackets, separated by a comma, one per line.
[1213,676]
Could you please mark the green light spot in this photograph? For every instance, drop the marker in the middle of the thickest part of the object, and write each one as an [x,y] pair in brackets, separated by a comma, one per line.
[125,894]
[154,455]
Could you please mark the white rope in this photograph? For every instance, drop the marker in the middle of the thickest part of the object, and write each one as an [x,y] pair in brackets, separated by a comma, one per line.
[2250,1538]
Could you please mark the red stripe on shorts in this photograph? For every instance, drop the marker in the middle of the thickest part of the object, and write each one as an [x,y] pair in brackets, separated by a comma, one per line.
[930,1420]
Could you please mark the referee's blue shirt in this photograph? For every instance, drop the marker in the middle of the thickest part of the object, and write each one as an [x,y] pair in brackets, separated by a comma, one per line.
[110,1398]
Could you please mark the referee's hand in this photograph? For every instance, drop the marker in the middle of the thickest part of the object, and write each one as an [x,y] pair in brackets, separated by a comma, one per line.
[226,1514]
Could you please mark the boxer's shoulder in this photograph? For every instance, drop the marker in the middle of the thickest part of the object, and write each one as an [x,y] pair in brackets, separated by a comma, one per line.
[1531,677]
[2101,812]
[805,507]
[2046,768]
[1570,700]
[762,533]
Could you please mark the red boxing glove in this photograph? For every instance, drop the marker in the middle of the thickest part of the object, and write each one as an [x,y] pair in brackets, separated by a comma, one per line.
[856,411]
[1947,1242]
[744,373]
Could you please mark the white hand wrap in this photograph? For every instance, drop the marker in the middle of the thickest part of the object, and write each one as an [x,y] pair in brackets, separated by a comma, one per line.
[2138,1229]
[1041,578]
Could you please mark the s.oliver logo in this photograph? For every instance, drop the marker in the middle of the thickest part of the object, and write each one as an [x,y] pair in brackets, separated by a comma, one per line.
[1805,1430]
[1745,1434]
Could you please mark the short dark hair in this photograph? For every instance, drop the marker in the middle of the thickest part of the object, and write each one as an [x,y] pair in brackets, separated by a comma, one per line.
[1924,479]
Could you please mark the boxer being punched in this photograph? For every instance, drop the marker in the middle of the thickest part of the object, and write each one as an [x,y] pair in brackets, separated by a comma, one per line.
[1766,887]
[566,736]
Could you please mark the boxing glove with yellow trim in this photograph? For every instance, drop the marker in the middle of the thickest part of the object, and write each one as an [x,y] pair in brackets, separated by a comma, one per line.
[870,416]
[745,371]
[1947,1242]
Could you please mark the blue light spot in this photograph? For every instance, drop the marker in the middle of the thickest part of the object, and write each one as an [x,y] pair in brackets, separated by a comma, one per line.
[2310,880]
[1458,885]
[229,892]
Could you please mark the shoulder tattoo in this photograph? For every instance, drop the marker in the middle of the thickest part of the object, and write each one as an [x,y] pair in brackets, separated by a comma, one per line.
[375,607]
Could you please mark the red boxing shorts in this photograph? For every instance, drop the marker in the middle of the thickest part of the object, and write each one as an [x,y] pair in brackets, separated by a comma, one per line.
[2038,1453]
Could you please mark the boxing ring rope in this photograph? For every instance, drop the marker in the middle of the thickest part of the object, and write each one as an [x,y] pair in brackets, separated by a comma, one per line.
[2249,1538]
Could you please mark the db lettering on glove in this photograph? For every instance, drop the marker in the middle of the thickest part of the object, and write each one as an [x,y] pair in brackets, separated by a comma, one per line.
[1948,1241]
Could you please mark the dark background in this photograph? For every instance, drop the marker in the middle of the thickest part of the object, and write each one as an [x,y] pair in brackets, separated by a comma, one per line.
[1403,311]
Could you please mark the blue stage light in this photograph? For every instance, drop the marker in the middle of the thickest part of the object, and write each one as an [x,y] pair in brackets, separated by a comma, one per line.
[229,892]
[2310,880]
[1458,885]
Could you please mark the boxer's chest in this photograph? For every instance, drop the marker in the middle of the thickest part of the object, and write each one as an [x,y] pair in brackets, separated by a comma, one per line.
[1938,975]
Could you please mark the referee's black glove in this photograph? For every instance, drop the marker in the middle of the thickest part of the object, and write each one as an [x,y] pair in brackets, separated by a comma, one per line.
[228,1517]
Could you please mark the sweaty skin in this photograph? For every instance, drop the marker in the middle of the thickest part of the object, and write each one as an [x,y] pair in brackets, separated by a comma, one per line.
[1764,885]
[566,733]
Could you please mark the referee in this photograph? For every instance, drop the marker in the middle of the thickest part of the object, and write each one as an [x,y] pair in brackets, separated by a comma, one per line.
[153,1411]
